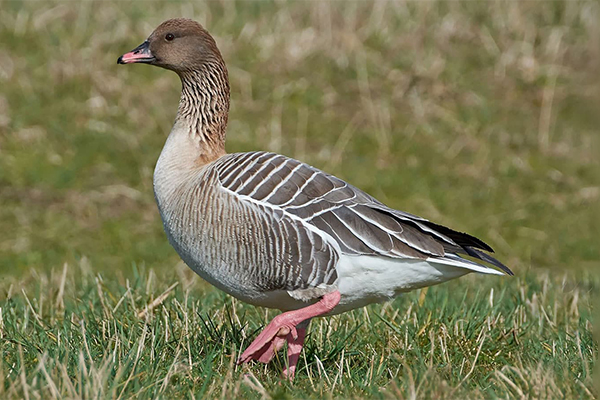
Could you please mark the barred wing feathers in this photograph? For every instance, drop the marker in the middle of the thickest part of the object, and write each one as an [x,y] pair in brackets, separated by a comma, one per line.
[358,223]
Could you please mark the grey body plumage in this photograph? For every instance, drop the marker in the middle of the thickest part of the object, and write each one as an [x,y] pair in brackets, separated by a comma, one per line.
[258,222]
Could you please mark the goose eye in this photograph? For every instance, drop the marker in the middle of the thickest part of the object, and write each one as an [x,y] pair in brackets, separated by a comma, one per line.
[169,37]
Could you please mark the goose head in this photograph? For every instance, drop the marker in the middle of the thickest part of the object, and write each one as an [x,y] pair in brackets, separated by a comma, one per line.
[184,46]
[179,44]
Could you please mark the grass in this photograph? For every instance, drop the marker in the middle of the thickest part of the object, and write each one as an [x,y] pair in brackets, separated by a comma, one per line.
[77,334]
[479,115]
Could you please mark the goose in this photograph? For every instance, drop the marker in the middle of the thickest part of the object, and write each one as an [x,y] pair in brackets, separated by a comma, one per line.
[273,231]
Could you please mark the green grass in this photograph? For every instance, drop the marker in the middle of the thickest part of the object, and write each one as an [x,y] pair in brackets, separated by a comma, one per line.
[78,334]
[479,115]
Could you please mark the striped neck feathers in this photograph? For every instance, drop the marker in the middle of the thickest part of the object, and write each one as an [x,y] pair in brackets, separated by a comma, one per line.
[204,108]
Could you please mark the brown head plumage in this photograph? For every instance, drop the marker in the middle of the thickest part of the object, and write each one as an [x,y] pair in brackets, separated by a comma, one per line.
[178,44]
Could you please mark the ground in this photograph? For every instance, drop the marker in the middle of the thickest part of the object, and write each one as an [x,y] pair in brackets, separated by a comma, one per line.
[479,115]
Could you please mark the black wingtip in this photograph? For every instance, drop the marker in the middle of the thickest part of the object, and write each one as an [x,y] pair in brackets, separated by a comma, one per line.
[489,259]
[460,238]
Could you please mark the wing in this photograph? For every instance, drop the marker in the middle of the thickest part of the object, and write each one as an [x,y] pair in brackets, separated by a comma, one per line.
[355,221]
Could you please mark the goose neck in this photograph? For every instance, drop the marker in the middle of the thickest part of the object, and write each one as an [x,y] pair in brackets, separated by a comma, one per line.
[204,108]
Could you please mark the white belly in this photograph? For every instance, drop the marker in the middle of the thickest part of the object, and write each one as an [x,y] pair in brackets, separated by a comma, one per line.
[364,280]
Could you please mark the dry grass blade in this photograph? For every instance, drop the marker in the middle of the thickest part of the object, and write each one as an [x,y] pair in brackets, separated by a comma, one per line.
[158,301]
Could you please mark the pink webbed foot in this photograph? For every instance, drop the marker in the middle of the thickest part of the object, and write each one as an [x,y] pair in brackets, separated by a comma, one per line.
[288,327]
[269,341]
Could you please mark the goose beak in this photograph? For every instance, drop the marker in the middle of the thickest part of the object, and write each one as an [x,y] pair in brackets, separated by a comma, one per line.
[140,54]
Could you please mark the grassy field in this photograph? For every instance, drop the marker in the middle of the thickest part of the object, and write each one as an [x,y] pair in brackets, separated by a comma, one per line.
[479,115]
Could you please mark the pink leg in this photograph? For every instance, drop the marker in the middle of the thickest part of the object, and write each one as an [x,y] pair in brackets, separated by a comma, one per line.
[294,349]
[283,328]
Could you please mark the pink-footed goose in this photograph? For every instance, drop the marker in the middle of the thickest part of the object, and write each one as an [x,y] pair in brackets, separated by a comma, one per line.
[273,231]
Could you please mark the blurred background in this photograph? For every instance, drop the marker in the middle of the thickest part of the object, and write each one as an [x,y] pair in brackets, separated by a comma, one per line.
[478,115]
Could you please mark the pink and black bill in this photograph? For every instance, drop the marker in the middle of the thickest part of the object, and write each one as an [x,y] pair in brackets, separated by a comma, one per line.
[140,54]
